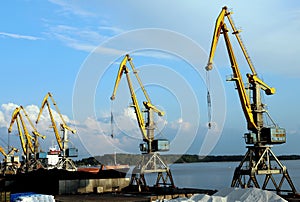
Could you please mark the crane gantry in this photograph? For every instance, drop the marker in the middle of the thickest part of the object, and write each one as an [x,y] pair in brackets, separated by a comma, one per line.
[260,135]
[65,162]
[151,162]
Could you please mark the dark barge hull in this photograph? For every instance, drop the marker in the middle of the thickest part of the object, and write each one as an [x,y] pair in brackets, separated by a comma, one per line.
[47,181]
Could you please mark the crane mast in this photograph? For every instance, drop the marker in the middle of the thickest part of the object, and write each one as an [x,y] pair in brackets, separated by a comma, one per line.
[257,160]
[151,162]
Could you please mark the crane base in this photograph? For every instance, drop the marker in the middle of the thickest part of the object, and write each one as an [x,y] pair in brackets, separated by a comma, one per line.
[260,160]
[66,164]
[151,163]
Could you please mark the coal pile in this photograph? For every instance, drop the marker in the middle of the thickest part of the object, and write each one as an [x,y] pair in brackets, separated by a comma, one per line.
[47,181]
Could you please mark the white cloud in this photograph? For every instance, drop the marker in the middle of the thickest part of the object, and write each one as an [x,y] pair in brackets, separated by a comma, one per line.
[130,113]
[76,33]
[180,124]
[32,111]
[7,110]
[19,36]
[114,30]
[95,133]
[72,7]
[43,126]
[109,51]
[126,123]
[92,132]
[9,107]
[260,35]
[85,39]
[2,120]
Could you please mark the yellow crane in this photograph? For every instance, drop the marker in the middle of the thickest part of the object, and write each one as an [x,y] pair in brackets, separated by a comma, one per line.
[147,129]
[65,162]
[11,162]
[29,144]
[150,146]
[260,135]
[63,125]
[253,114]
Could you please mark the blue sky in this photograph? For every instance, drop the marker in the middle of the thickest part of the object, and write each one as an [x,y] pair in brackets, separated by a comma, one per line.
[51,46]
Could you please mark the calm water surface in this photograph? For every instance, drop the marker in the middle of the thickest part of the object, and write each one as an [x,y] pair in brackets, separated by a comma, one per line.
[217,175]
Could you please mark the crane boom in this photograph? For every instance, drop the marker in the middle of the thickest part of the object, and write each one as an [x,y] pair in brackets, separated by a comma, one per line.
[152,163]
[221,28]
[146,128]
[11,152]
[54,126]
[119,76]
[259,159]
[124,69]
[28,137]
[35,132]
[3,152]
[44,103]
[138,78]
[120,72]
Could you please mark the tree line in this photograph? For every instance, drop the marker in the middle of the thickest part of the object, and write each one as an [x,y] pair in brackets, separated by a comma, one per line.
[133,159]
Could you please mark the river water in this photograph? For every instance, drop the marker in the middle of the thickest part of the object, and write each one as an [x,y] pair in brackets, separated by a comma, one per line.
[218,175]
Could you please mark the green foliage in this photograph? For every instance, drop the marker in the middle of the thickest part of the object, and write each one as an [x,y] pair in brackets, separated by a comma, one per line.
[133,159]
[87,161]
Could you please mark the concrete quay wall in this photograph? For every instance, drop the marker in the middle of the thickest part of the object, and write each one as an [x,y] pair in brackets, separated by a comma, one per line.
[84,186]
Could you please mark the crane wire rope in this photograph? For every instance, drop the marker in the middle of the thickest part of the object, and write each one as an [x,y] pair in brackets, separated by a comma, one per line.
[111,120]
[208,97]
[5,142]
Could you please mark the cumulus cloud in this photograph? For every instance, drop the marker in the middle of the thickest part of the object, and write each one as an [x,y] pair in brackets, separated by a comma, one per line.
[85,39]
[71,7]
[32,111]
[180,123]
[6,111]
[94,133]
[2,120]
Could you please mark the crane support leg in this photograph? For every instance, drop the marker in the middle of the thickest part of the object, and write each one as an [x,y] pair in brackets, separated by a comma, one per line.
[151,163]
[261,161]
[66,164]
